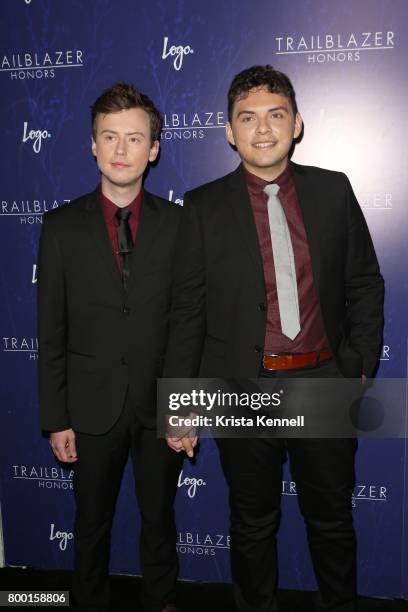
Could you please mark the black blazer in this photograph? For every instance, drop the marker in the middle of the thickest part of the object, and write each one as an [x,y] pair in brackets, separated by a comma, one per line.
[95,339]
[219,316]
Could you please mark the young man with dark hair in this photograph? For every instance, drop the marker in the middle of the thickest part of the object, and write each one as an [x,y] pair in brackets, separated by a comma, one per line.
[277,276]
[105,271]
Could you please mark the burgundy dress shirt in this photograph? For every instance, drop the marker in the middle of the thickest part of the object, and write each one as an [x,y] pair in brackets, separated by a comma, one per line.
[312,336]
[109,213]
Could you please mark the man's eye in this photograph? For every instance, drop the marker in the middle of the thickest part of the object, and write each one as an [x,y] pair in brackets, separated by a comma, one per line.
[109,137]
[134,139]
[277,115]
[247,118]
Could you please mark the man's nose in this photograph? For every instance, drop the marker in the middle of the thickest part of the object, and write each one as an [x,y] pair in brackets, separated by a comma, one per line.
[121,146]
[263,125]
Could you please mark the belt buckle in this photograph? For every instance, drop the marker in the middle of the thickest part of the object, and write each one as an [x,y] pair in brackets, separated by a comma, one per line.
[270,355]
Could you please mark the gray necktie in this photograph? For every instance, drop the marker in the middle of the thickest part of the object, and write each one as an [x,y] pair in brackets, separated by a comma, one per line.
[284,263]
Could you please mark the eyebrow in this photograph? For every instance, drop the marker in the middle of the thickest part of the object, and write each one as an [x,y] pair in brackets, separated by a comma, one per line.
[273,109]
[127,133]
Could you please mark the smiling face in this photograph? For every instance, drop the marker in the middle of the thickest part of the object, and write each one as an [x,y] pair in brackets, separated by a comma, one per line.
[123,148]
[262,128]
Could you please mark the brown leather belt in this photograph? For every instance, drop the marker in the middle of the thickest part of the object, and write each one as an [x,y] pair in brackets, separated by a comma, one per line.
[297,360]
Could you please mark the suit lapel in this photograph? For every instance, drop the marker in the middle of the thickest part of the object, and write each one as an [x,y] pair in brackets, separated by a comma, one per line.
[96,226]
[146,232]
[309,198]
[238,199]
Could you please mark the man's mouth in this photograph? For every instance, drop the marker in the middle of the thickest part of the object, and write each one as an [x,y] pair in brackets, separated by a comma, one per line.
[264,144]
[119,165]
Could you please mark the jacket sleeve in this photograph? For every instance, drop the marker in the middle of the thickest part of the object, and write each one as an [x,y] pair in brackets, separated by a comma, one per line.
[364,287]
[52,328]
[187,316]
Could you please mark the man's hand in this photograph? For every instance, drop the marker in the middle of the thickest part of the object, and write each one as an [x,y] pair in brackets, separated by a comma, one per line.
[63,445]
[185,443]
[182,437]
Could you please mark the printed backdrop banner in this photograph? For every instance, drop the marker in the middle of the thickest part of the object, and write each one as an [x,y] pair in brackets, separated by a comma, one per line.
[347,61]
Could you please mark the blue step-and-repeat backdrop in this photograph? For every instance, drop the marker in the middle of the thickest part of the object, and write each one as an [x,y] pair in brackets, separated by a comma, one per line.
[347,60]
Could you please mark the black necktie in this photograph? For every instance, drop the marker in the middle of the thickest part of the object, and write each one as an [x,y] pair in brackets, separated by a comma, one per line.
[125,242]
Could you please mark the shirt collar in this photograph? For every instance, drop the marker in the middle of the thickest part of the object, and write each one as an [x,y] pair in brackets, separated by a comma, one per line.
[256,184]
[109,208]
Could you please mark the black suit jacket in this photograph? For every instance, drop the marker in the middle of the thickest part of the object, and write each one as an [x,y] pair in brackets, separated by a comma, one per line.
[219,316]
[95,339]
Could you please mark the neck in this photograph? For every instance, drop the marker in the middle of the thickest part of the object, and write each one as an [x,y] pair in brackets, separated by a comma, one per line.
[269,173]
[120,195]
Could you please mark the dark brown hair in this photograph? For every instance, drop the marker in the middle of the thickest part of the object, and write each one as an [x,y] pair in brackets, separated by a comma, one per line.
[123,96]
[260,76]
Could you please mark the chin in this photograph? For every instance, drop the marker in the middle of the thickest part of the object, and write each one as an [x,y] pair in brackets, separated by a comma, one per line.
[267,163]
[274,161]
[120,182]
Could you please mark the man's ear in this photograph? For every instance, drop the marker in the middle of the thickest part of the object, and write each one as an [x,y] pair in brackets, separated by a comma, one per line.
[230,135]
[298,125]
[154,150]
[93,145]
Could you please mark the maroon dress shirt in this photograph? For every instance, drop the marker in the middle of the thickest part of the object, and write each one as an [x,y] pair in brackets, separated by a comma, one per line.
[109,213]
[312,336]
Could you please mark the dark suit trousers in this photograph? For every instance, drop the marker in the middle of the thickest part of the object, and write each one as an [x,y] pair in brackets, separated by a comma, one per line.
[97,479]
[323,470]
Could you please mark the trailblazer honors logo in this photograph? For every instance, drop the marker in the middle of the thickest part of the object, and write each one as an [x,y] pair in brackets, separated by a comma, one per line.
[191,126]
[39,65]
[60,537]
[368,492]
[35,137]
[340,47]
[385,353]
[29,212]
[46,477]
[201,544]
[375,201]
[21,345]
[288,487]
[361,492]
[178,52]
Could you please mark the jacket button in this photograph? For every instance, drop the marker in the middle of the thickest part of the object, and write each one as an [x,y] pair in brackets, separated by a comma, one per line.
[126,310]
[262,307]
[257,348]
[123,361]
